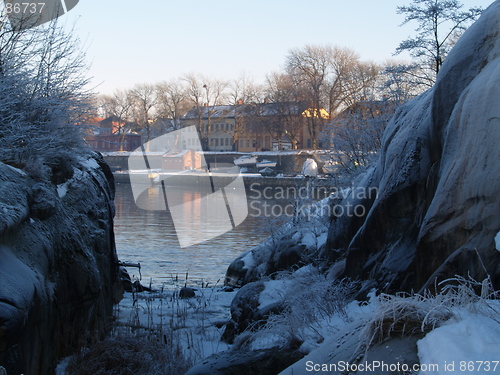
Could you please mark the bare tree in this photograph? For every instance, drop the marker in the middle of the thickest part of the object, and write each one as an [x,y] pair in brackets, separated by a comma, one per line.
[329,77]
[143,97]
[243,94]
[440,22]
[287,98]
[205,93]
[120,104]
[401,81]
[356,133]
[43,95]
[310,67]
[172,101]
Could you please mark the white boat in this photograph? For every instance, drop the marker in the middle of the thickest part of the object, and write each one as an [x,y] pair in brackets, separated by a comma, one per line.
[266,164]
[245,160]
[310,168]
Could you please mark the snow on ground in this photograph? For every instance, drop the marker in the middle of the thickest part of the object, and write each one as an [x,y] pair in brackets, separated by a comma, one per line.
[196,322]
[468,345]
[497,241]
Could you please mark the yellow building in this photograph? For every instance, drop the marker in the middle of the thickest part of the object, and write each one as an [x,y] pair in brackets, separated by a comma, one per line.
[255,127]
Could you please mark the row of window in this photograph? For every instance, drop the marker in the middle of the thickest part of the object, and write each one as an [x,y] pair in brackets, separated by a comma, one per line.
[256,143]
[215,142]
[220,127]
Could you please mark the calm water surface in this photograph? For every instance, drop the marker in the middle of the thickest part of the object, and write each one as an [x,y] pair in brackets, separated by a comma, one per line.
[148,237]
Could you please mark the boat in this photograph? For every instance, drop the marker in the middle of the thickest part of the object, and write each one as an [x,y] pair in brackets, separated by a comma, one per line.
[267,172]
[245,161]
[266,164]
[310,168]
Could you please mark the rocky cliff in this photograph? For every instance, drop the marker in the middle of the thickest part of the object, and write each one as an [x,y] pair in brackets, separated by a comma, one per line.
[436,210]
[438,178]
[57,262]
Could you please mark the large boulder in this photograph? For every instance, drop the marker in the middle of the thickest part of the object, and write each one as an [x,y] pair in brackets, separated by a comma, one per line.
[58,265]
[438,179]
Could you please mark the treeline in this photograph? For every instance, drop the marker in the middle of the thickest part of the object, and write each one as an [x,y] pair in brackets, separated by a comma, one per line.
[314,77]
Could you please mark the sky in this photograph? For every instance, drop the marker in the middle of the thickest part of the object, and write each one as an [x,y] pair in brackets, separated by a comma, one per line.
[129,42]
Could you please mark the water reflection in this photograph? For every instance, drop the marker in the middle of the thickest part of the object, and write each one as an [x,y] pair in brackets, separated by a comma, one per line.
[149,237]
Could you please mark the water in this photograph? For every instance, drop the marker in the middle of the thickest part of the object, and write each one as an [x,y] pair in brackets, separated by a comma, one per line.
[148,237]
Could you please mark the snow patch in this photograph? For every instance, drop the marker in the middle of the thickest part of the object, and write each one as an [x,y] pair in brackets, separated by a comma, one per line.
[248,260]
[17,170]
[470,342]
[497,241]
[90,164]
[62,189]
[273,292]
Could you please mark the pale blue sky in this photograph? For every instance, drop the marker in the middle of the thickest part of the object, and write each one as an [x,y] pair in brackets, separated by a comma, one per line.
[132,42]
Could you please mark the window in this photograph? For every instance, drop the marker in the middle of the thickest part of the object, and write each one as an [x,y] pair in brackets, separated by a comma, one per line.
[248,143]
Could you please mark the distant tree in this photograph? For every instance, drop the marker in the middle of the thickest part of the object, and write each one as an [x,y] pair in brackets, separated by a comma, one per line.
[351,79]
[401,81]
[120,104]
[205,93]
[172,101]
[330,78]
[440,22]
[356,133]
[286,97]
[43,96]
[143,97]
[243,94]
[310,67]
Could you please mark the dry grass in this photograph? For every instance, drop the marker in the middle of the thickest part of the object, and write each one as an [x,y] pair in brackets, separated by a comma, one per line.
[127,354]
[402,316]
[406,315]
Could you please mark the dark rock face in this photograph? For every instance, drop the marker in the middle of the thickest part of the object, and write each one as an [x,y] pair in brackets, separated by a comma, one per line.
[58,265]
[187,292]
[272,257]
[438,179]
[248,362]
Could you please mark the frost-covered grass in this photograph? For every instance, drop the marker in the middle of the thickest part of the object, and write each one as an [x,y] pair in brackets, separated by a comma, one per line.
[457,331]
[158,333]
[405,315]
[310,308]
[167,335]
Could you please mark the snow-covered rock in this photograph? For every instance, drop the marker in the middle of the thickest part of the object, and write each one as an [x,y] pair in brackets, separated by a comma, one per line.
[469,345]
[294,244]
[438,178]
[57,263]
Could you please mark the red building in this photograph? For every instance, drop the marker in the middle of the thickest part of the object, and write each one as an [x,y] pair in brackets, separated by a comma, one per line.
[112,134]
[184,160]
